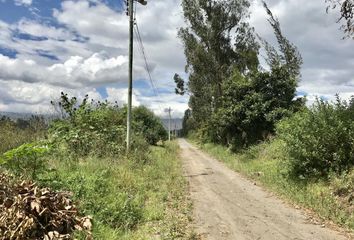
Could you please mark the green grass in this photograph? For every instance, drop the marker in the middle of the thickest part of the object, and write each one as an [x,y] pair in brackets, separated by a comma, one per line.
[266,163]
[128,200]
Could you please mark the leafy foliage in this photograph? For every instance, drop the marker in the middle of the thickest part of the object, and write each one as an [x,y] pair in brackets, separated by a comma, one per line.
[251,107]
[180,88]
[289,57]
[320,140]
[148,125]
[89,127]
[210,52]
[27,159]
[233,101]
[188,123]
[99,128]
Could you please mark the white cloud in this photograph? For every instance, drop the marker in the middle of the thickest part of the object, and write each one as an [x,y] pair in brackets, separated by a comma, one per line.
[110,29]
[42,30]
[23,2]
[80,63]
[101,24]
[19,96]
[75,72]
[121,96]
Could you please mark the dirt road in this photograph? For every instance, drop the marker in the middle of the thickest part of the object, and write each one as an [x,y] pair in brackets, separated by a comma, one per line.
[227,206]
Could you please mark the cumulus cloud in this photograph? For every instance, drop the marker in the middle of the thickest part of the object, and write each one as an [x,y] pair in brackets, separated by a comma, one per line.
[121,96]
[75,72]
[19,96]
[110,29]
[42,30]
[91,60]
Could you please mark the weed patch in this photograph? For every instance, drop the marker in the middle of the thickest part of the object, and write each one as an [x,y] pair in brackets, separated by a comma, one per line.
[126,199]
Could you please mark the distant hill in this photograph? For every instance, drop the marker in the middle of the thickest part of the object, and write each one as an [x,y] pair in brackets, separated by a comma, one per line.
[15,116]
[25,116]
[176,123]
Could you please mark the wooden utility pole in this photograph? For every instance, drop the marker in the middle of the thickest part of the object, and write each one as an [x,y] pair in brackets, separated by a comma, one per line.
[130,78]
[130,75]
[169,123]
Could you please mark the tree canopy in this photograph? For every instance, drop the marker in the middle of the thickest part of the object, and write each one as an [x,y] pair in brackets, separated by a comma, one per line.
[233,100]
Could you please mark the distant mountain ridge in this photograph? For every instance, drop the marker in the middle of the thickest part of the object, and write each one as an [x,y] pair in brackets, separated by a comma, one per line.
[15,116]
[176,123]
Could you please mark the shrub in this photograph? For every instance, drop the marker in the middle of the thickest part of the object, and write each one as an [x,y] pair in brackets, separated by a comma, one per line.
[250,107]
[148,125]
[87,128]
[320,140]
[100,128]
[26,160]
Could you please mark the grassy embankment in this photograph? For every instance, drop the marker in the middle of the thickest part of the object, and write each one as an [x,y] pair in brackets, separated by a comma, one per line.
[128,200]
[266,163]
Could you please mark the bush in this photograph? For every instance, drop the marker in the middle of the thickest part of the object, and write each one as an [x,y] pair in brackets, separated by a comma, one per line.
[148,125]
[26,160]
[89,127]
[100,128]
[251,106]
[320,140]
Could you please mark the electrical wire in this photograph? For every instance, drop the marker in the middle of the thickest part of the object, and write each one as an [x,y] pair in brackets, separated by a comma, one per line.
[147,68]
[139,41]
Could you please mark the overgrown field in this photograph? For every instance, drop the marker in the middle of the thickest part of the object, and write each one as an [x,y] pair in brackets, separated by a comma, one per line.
[126,199]
[82,156]
[13,134]
[266,163]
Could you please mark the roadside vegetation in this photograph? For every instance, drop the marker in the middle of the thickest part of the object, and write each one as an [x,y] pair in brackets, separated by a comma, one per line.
[140,195]
[310,160]
[15,133]
[250,115]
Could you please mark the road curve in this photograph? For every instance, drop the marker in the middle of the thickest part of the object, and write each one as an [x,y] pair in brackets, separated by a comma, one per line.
[227,206]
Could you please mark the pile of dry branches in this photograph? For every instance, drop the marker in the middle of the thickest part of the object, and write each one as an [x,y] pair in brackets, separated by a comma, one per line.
[30,212]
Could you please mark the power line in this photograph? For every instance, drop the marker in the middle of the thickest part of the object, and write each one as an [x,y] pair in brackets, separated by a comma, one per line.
[143,52]
[141,47]
[145,59]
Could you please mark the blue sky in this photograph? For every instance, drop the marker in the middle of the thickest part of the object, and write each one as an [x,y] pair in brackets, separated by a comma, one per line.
[80,47]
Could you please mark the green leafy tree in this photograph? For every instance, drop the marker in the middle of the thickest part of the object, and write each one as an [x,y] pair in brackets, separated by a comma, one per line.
[212,51]
[148,125]
[252,99]
[289,56]
[188,123]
